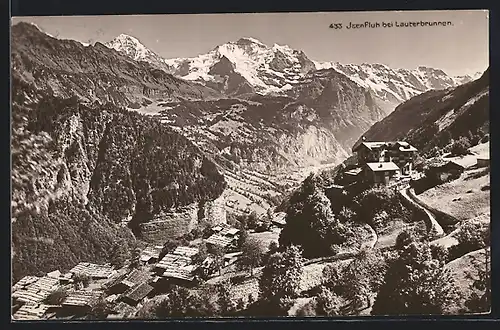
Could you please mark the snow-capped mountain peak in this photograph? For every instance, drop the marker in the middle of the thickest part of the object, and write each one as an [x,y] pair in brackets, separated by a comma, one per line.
[266,69]
[130,46]
[135,49]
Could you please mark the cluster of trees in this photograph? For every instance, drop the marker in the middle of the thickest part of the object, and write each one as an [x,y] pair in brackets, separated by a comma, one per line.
[208,301]
[250,221]
[311,224]
[377,206]
[471,236]
[411,279]
[416,283]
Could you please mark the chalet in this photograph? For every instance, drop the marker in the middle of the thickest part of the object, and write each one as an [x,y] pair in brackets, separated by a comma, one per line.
[381,173]
[94,271]
[399,152]
[80,301]
[151,254]
[34,290]
[225,238]
[134,295]
[177,266]
[126,281]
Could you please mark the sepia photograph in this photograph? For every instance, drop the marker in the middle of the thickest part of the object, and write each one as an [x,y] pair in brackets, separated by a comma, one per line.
[319,164]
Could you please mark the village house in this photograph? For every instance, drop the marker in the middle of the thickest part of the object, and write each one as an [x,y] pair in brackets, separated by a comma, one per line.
[399,152]
[151,254]
[177,267]
[34,290]
[225,238]
[381,173]
[127,281]
[137,293]
[94,271]
[380,163]
[80,302]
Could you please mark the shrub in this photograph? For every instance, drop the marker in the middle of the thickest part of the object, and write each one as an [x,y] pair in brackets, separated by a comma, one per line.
[460,146]
[56,297]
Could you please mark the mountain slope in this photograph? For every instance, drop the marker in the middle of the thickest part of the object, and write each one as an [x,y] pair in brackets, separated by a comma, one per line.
[92,73]
[82,171]
[433,118]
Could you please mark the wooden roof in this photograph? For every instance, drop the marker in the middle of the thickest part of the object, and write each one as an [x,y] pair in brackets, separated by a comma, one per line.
[30,312]
[151,252]
[35,291]
[82,298]
[229,231]
[186,251]
[24,281]
[93,270]
[138,292]
[137,276]
[219,240]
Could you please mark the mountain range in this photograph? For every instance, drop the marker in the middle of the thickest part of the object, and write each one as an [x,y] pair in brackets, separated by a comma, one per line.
[248,65]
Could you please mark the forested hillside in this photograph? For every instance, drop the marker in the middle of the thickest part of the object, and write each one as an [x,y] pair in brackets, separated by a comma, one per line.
[79,170]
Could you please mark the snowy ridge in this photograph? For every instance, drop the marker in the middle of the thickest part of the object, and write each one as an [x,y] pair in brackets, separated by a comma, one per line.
[396,85]
[278,68]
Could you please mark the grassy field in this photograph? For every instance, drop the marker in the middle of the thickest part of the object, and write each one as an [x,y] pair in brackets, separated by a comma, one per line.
[463,198]
[464,273]
[266,237]
[387,236]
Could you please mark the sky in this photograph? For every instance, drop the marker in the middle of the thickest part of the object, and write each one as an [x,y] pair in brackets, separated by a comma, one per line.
[459,49]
